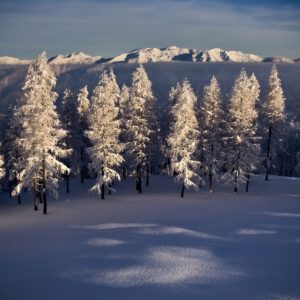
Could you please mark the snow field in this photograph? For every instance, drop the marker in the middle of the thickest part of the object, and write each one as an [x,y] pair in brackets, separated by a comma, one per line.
[217,245]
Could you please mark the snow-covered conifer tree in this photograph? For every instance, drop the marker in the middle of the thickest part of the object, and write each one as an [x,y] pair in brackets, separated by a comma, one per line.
[83,102]
[141,126]
[123,116]
[40,132]
[242,147]
[142,87]
[82,110]
[103,133]
[212,129]
[274,112]
[123,105]
[12,151]
[165,128]
[71,123]
[183,137]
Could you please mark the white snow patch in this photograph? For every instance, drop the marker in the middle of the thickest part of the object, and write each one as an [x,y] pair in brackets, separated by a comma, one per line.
[254,231]
[105,242]
[106,226]
[161,230]
[162,266]
[281,214]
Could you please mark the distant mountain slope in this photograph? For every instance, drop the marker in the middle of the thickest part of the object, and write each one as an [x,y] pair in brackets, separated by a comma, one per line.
[8,60]
[147,55]
[74,58]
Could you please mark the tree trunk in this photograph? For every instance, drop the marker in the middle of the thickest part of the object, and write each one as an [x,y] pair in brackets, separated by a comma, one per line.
[124,172]
[138,179]
[35,201]
[140,183]
[44,187]
[67,183]
[235,188]
[247,183]
[19,199]
[182,190]
[82,167]
[147,175]
[40,193]
[82,175]
[281,164]
[210,178]
[268,156]
[9,189]
[102,186]
[102,191]
[109,190]
[210,175]
[235,183]
[236,170]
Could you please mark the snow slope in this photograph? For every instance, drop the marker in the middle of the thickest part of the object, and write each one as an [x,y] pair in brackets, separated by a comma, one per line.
[155,245]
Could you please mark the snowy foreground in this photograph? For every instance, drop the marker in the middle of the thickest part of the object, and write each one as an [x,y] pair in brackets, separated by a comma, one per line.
[155,245]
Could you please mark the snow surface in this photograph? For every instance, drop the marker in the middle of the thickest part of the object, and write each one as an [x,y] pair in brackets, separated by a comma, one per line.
[217,245]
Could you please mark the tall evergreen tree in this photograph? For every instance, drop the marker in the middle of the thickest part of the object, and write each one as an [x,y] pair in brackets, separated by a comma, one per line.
[212,126]
[12,153]
[140,125]
[103,133]
[123,116]
[183,137]
[71,123]
[242,144]
[274,112]
[123,104]
[40,133]
[82,110]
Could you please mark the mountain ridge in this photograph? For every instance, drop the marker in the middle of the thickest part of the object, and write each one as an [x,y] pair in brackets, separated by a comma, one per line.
[148,55]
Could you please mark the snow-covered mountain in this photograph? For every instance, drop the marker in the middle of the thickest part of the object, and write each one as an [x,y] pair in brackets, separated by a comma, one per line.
[74,58]
[146,55]
[279,59]
[8,60]
[168,54]
[174,53]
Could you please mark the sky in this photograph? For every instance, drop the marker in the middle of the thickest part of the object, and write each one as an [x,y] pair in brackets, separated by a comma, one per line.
[110,27]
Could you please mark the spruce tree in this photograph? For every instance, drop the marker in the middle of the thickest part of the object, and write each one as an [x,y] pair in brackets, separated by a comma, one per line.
[123,116]
[82,110]
[103,133]
[40,133]
[12,153]
[141,125]
[212,127]
[71,123]
[183,137]
[242,144]
[274,113]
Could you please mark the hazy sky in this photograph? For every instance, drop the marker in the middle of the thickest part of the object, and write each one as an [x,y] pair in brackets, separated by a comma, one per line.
[109,27]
